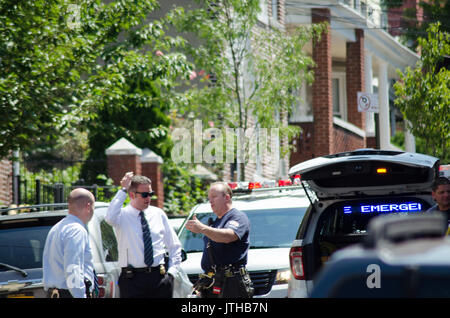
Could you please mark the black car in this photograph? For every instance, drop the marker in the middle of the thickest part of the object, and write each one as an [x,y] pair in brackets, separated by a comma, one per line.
[22,241]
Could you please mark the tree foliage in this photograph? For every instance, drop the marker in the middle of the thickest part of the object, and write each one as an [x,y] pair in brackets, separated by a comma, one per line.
[424,94]
[248,74]
[414,23]
[61,63]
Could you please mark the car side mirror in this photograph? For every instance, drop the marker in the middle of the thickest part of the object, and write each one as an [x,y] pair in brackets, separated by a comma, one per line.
[183,255]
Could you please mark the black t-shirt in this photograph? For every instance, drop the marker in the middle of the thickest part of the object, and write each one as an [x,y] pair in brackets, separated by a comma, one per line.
[229,253]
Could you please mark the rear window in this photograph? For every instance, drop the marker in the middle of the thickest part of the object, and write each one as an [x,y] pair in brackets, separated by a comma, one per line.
[22,242]
[345,223]
[268,228]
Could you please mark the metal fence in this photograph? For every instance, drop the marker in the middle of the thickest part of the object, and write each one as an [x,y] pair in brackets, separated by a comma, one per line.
[43,193]
[51,181]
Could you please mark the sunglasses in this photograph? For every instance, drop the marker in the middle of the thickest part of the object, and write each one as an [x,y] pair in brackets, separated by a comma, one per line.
[146,194]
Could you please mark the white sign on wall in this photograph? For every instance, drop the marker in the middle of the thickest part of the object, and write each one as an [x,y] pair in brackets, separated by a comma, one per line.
[367,102]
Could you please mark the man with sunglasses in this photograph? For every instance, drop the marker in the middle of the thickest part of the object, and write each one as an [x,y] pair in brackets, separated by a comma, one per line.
[144,235]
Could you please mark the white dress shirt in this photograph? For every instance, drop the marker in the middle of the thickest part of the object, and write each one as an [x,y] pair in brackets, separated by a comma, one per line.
[67,257]
[127,224]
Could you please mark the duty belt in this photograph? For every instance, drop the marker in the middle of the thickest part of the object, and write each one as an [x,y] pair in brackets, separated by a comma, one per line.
[232,270]
[132,270]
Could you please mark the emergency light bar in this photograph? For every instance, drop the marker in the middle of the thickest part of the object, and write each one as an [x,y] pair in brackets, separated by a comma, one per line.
[249,186]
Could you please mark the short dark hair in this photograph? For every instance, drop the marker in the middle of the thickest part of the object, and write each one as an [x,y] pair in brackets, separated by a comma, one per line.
[439,181]
[137,180]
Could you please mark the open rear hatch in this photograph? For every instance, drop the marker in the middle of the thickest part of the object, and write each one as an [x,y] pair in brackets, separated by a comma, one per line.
[353,187]
[368,172]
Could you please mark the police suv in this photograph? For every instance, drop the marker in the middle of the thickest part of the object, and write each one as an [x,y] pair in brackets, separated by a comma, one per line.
[347,190]
[274,214]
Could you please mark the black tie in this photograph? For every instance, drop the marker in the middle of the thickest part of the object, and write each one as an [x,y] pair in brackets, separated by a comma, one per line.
[148,248]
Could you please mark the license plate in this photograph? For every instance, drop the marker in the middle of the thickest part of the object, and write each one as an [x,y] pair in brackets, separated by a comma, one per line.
[21,295]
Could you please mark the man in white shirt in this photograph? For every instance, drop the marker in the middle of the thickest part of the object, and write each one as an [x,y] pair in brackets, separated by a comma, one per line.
[67,257]
[142,277]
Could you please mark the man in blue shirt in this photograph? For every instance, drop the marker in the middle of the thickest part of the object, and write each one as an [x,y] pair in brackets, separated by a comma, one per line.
[67,257]
[226,245]
[441,194]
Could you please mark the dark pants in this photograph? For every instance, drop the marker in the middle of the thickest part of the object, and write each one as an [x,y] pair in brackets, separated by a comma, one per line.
[146,285]
[229,287]
[58,293]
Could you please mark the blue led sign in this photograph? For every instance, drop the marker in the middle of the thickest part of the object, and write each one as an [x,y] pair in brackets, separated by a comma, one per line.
[384,208]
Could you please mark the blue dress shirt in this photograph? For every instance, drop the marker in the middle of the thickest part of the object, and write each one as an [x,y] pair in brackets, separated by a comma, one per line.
[67,257]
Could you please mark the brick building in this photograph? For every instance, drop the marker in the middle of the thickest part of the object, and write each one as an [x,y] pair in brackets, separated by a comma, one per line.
[354,55]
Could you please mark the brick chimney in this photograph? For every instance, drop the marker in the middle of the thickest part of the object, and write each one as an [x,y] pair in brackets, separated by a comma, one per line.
[123,156]
[151,167]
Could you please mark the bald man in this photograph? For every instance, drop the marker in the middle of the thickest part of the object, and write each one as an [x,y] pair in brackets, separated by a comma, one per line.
[67,257]
[227,239]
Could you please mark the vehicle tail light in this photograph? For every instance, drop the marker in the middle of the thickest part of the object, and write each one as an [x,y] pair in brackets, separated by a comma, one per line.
[100,280]
[296,260]
[105,286]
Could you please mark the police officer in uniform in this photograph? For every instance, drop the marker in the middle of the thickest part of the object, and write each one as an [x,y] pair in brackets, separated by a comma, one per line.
[226,247]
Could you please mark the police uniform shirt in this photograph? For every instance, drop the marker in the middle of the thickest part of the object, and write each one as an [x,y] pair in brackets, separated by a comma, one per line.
[67,257]
[127,223]
[229,253]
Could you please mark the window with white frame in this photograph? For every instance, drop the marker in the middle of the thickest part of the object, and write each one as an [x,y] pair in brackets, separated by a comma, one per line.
[275,10]
[302,111]
[339,95]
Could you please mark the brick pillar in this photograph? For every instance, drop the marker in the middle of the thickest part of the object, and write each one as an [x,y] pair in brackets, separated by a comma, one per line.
[6,182]
[322,94]
[151,167]
[355,79]
[123,156]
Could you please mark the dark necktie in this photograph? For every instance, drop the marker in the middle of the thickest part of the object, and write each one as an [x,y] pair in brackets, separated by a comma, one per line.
[148,248]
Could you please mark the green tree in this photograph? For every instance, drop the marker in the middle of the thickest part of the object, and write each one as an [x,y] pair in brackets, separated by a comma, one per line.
[432,11]
[247,75]
[424,94]
[62,63]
